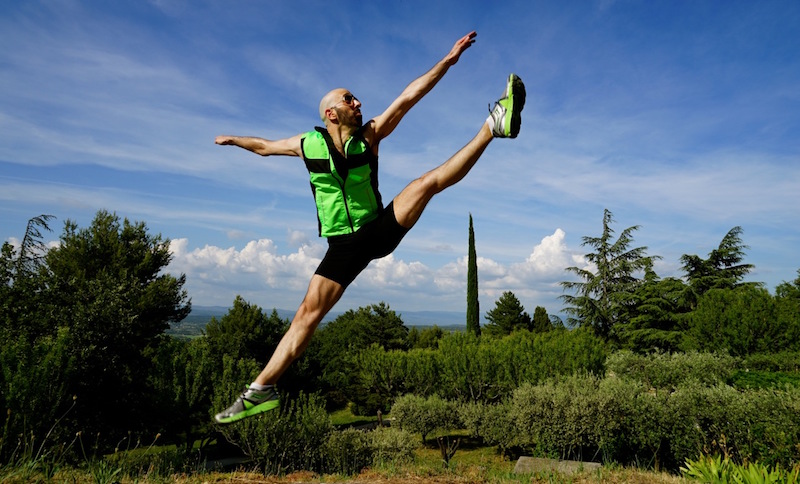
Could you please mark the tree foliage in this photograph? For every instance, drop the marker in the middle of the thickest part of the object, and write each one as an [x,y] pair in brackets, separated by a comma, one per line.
[604,297]
[245,332]
[656,321]
[723,269]
[83,330]
[96,306]
[541,321]
[335,346]
[743,321]
[507,316]
[473,304]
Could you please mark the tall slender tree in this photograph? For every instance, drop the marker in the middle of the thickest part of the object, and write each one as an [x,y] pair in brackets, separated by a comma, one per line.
[473,305]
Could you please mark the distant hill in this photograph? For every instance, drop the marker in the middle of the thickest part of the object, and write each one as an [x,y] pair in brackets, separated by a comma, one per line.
[196,321]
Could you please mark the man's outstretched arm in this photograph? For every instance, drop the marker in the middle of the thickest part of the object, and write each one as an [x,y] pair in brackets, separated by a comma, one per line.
[384,124]
[263,147]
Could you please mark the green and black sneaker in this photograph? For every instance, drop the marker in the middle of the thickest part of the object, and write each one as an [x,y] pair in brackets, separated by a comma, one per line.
[250,402]
[506,111]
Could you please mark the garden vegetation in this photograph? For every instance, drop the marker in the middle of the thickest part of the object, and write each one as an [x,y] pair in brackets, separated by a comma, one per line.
[694,376]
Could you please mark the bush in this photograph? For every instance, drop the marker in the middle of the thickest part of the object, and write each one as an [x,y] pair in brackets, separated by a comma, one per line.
[488,370]
[348,451]
[425,415]
[764,379]
[392,446]
[718,469]
[491,422]
[787,361]
[622,420]
[292,438]
[749,426]
[663,370]
[559,418]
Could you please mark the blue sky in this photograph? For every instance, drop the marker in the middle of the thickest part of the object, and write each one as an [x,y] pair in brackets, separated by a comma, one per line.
[681,117]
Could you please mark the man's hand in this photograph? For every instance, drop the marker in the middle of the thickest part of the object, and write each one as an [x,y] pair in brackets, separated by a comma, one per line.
[383,125]
[224,140]
[460,46]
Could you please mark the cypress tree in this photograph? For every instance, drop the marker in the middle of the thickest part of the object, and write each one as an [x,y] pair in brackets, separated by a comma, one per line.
[473,306]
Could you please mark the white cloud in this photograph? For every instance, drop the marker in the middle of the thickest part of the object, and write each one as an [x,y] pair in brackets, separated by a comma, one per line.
[258,260]
[261,270]
[392,273]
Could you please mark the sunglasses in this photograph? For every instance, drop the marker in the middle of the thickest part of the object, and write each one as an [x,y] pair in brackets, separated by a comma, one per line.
[347,99]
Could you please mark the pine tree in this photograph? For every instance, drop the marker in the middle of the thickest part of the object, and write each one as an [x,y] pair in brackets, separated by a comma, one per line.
[508,315]
[606,297]
[541,321]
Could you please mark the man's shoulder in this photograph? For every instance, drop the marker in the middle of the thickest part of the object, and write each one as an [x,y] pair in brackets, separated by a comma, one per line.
[313,144]
[318,132]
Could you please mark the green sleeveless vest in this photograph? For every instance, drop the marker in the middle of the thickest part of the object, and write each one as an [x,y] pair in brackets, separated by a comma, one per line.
[345,189]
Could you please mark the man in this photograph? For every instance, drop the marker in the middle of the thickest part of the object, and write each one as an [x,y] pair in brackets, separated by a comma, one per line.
[342,160]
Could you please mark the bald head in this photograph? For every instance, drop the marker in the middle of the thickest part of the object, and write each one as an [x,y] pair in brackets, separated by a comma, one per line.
[329,100]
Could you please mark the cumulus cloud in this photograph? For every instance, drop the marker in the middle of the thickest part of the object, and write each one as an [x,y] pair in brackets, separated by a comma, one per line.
[391,272]
[258,257]
[259,269]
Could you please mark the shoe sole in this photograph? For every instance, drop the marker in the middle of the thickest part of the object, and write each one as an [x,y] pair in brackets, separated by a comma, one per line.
[517,97]
[264,407]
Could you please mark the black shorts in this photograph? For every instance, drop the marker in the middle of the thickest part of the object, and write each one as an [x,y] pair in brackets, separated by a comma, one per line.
[350,254]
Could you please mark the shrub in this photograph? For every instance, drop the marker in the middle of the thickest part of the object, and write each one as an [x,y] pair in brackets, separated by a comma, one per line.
[764,379]
[392,446]
[425,415]
[348,451]
[285,440]
[622,420]
[786,361]
[718,469]
[748,426]
[663,370]
[491,422]
[559,417]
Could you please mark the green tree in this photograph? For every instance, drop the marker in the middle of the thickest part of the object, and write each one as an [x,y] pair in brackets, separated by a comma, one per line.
[507,316]
[541,321]
[245,331]
[184,380]
[335,347]
[425,338]
[656,323]
[32,249]
[473,304]
[742,321]
[787,298]
[106,289]
[789,290]
[21,283]
[723,269]
[604,298]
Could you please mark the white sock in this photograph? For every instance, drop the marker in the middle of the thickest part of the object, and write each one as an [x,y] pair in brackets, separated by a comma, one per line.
[260,388]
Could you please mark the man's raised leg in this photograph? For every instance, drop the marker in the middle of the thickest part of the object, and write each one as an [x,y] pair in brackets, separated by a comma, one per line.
[409,203]
[503,122]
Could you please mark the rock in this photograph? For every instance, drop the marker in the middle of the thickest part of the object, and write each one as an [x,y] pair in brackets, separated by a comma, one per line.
[531,465]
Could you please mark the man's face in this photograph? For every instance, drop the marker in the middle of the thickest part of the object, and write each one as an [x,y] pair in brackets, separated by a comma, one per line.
[348,110]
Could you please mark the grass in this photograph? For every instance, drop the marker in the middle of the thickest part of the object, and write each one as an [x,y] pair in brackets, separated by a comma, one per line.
[345,418]
[471,463]
[468,466]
